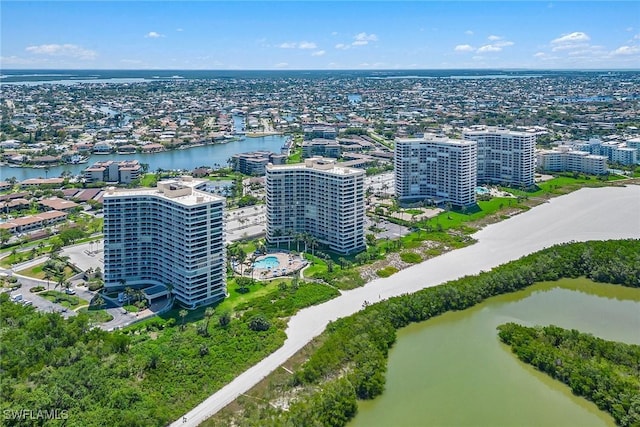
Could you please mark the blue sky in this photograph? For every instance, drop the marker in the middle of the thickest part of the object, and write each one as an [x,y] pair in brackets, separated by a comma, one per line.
[319,35]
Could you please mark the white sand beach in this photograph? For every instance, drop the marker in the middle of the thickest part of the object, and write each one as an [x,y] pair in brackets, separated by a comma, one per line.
[587,214]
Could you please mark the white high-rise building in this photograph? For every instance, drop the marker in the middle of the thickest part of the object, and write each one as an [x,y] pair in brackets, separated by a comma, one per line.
[318,197]
[442,170]
[170,235]
[504,157]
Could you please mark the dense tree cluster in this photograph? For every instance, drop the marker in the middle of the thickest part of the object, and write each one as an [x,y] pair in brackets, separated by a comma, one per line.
[355,348]
[146,375]
[604,372]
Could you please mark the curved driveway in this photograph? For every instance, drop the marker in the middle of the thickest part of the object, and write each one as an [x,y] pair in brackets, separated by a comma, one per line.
[587,214]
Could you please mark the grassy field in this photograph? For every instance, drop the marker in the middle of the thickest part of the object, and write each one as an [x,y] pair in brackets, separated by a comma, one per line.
[97,315]
[456,220]
[37,273]
[69,301]
[149,180]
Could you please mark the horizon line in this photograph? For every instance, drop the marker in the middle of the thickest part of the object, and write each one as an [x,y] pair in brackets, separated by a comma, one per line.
[321,69]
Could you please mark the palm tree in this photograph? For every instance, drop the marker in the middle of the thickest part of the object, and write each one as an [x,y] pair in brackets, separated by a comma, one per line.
[98,301]
[183,314]
[48,275]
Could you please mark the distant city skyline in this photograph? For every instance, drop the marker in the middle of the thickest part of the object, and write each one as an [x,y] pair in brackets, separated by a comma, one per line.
[319,35]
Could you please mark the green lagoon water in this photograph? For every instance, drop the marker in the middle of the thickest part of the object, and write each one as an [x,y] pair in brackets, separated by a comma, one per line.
[453,370]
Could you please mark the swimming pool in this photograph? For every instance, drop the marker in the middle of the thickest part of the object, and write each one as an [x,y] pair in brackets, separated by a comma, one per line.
[267,263]
[482,190]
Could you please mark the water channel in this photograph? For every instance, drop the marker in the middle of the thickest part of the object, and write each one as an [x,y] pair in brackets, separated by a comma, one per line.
[189,158]
[453,370]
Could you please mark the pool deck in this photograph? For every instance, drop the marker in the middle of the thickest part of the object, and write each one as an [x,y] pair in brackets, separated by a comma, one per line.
[288,263]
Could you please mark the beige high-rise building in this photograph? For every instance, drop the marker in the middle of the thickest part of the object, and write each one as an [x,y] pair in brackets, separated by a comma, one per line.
[318,197]
[504,157]
[169,235]
[440,170]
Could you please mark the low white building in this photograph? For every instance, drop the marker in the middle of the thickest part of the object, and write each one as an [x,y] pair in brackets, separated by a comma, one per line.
[565,159]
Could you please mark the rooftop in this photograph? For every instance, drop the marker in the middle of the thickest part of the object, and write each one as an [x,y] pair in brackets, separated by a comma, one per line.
[323,164]
[183,191]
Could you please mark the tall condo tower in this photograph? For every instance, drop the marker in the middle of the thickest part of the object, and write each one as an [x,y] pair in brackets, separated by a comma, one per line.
[317,197]
[171,235]
[441,170]
[504,157]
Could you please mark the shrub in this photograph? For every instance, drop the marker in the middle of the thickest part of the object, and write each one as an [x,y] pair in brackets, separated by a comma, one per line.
[259,323]
[410,257]
[36,289]
[387,271]
[94,286]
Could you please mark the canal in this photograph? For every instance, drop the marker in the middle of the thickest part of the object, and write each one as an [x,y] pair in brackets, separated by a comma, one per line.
[452,370]
[214,155]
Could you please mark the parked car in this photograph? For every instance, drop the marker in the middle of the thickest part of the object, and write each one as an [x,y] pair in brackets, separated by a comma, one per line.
[16,298]
[70,291]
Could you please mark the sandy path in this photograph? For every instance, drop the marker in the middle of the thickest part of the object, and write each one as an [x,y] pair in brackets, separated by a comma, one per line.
[587,214]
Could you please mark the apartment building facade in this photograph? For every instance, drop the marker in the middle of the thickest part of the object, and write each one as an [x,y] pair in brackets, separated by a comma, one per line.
[624,153]
[441,170]
[565,159]
[504,157]
[255,163]
[171,235]
[317,197]
[111,171]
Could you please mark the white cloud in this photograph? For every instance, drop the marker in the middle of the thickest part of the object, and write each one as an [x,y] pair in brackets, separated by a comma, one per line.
[153,35]
[574,40]
[469,32]
[362,39]
[463,48]
[540,55]
[504,43]
[179,30]
[489,48]
[334,33]
[318,53]
[496,46]
[281,65]
[577,36]
[295,45]
[626,50]
[70,50]
[342,46]
[131,61]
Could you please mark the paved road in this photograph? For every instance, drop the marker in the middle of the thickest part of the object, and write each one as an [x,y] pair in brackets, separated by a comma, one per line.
[588,214]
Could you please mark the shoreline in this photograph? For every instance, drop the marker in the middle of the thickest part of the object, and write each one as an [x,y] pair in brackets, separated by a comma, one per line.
[117,153]
[579,216]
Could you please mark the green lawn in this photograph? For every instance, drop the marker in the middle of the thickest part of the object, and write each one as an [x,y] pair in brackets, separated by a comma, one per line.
[69,301]
[318,266]
[296,156]
[96,315]
[37,272]
[456,220]
[562,185]
[260,289]
[149,180]
[131,308]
